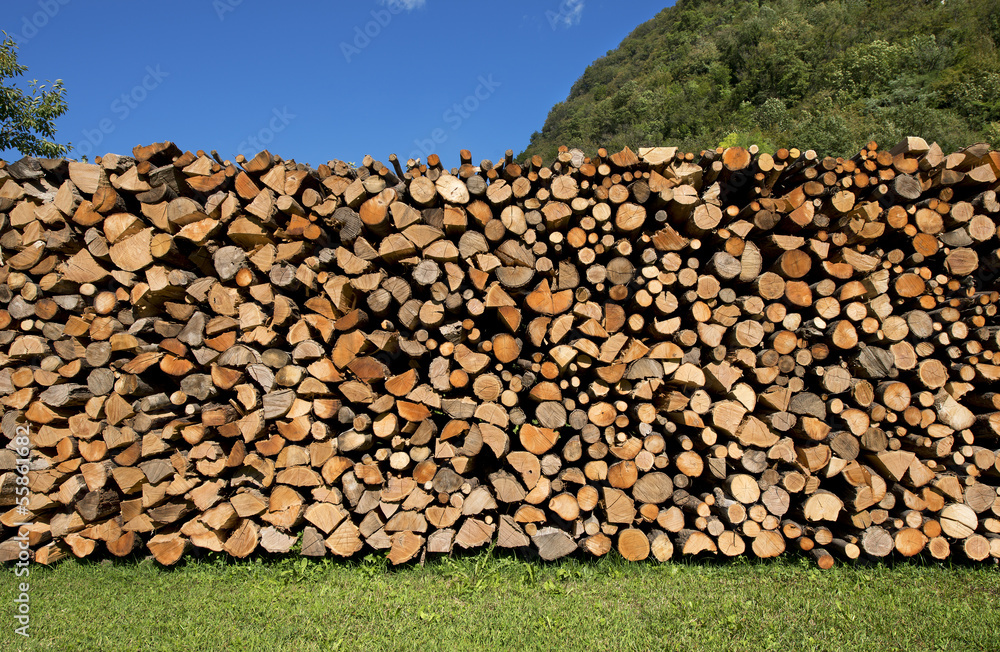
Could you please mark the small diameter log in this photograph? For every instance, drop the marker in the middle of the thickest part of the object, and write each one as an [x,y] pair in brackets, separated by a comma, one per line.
[651,351]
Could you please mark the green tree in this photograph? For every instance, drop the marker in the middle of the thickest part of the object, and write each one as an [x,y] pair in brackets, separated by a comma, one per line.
[27,121]
[828,75]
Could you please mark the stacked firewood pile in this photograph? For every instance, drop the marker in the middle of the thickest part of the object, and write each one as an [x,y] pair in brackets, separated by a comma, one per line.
[660,352]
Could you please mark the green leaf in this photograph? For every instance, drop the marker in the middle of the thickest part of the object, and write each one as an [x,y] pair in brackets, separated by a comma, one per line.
[27,119]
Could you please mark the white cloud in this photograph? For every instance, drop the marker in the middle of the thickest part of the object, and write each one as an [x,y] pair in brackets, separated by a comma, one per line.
[409,5]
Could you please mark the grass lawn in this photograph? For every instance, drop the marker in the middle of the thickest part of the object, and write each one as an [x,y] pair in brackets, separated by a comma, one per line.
[487,602]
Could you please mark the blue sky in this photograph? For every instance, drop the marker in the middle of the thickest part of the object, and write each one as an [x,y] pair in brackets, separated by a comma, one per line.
[314,81]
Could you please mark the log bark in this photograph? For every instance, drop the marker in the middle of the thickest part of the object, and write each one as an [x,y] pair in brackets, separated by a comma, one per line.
[642,352]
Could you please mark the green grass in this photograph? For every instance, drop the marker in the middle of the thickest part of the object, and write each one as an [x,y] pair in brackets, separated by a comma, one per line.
[500,602]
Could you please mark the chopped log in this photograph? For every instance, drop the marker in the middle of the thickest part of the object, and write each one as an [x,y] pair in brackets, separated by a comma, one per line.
[167,549]
[633,544]
[553,543]
[405,546]
[639,351]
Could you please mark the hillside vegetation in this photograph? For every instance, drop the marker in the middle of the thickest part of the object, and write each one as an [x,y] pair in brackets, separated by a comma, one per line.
[824,75]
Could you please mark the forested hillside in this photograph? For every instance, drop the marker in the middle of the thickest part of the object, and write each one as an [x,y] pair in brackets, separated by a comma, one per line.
[824,75]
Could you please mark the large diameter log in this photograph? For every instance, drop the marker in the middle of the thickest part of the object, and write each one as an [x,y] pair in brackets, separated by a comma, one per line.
[654,354]
[958,521]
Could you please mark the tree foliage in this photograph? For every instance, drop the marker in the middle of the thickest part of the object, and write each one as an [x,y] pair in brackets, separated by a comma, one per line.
[27,120]
[828,75]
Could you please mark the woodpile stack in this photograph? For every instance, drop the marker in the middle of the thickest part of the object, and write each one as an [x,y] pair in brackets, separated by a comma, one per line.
[660,352]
